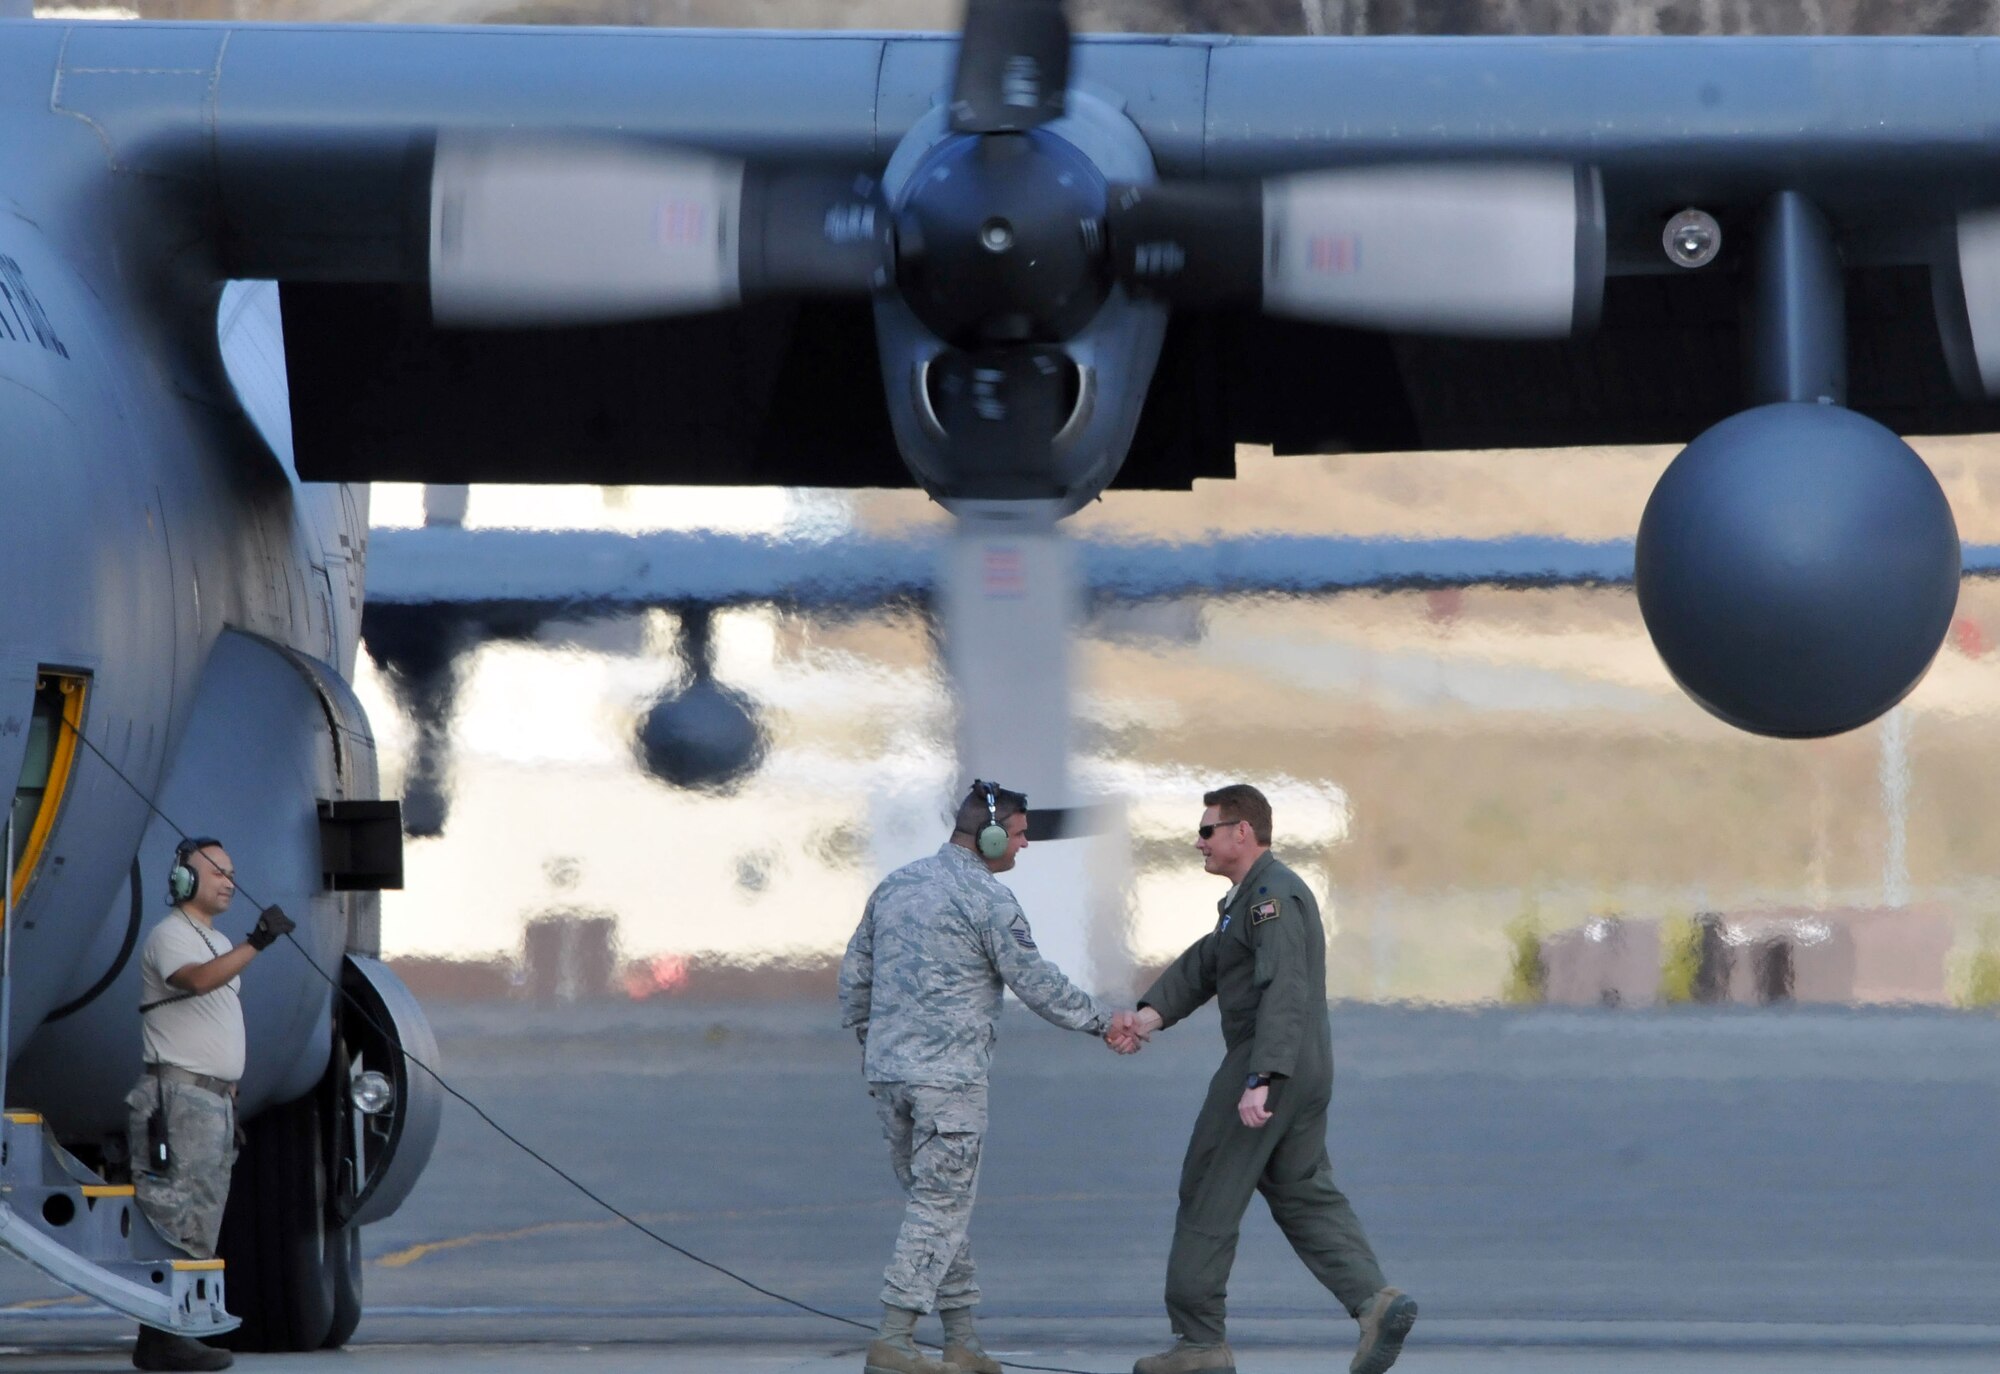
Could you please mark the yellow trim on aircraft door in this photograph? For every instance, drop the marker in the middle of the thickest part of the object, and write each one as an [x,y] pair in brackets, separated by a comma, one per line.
[62,760]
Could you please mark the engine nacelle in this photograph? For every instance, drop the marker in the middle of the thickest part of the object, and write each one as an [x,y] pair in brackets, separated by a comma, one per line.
[1797,566]
[1110,359]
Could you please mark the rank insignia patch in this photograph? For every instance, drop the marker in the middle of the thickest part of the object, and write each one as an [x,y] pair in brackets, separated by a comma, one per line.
[1018,928]
[1263,912]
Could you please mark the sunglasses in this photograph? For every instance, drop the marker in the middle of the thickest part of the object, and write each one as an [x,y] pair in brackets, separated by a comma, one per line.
[1205,831]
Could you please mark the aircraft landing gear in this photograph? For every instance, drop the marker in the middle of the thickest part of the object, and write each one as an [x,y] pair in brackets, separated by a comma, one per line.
[294,1263]
[275,1233]
[343,1264]
[343,1234]
[314,1171]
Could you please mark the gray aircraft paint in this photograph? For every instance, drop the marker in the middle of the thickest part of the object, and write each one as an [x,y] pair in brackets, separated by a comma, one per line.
[299,137]
[147,523]
[152,538]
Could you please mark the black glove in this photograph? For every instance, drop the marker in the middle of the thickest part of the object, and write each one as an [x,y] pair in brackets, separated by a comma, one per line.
[271,923]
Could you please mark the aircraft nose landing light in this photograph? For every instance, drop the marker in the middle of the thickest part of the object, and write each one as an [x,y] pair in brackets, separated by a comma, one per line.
[371,1093]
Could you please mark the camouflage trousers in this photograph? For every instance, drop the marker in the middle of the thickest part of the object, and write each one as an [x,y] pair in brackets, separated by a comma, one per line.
[934,1138]
[185,1203]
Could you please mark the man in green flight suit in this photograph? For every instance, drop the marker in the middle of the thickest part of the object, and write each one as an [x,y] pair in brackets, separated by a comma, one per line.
[1262,1126]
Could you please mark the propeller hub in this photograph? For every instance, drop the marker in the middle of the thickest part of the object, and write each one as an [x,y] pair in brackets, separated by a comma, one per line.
[1005,235]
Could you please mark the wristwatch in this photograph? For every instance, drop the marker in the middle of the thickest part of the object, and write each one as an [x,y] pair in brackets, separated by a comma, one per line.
[1257,1080]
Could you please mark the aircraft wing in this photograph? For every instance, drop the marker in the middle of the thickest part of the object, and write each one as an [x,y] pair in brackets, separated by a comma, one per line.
[568,573]
[304,154]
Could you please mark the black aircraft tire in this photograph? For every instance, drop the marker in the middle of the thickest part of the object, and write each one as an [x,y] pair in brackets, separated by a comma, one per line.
[343,1243]
[343,1262]
[274,1234]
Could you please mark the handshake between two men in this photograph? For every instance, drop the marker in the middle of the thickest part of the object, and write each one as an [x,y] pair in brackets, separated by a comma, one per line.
[940,942]
[1132,1031]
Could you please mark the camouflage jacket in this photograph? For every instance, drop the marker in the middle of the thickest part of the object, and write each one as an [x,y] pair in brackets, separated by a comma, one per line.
[923,977]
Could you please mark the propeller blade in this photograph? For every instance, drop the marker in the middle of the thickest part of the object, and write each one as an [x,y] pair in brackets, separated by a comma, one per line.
[1000,409]
[1511,251]
[580,231]
[574,231]
[1010,601]
[1013,66]
[1500,251]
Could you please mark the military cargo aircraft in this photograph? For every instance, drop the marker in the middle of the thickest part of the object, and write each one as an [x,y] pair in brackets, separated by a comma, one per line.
[1007,266]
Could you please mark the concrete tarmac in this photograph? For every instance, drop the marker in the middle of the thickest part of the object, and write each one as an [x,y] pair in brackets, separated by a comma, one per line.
[1636,1190]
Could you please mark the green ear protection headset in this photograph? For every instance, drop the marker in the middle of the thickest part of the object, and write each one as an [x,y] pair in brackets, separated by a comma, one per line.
[992,838]
[182,881]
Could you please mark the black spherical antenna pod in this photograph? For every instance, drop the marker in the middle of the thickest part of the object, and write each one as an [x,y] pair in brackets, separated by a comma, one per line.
[1797,566]
[703,736]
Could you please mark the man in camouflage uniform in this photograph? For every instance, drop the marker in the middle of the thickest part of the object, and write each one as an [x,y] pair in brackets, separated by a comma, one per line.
[1262,1127]
[922,985]
[194,1047]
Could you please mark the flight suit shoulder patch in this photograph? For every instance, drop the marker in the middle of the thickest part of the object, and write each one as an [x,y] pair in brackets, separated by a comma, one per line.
[1262,912]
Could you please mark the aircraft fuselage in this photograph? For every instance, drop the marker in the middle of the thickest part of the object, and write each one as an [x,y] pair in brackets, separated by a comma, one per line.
[144,519]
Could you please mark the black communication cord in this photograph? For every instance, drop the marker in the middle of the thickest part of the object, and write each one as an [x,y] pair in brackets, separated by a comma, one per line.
[504,1133]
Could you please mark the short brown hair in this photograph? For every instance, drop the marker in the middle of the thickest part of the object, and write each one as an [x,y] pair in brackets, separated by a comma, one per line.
[1241,802]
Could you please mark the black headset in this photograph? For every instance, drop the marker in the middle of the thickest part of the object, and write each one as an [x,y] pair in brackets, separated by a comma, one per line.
[992,837]
[182,881]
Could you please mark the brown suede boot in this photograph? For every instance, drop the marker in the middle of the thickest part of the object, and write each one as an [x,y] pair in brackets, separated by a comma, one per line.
[894,1351]
[1386,1319]
[962,1349]
[889,1357]
[1189,1357]
[971,1359]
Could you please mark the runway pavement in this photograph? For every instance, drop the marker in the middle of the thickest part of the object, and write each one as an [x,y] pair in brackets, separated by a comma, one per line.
[1653,1191]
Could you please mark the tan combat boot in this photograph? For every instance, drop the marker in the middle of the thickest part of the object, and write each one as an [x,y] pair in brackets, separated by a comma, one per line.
[1189,1357]
[888,1357]
[962,1349]
[895,1351]
[1386,1319]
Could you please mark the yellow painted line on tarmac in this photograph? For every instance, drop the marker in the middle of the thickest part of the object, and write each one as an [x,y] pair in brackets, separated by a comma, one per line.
[410,1254]
[73,1300]
[401,1259]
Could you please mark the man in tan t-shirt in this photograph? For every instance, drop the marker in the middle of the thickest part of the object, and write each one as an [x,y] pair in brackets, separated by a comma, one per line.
[194,1047]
